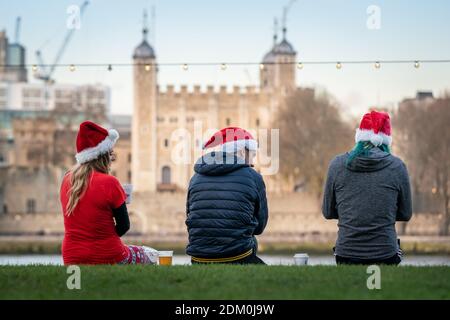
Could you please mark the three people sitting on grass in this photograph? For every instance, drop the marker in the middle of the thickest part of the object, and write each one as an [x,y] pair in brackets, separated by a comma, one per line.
[367,190]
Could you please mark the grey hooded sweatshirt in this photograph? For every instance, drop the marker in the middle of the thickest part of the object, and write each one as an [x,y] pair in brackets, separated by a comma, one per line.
[367,197]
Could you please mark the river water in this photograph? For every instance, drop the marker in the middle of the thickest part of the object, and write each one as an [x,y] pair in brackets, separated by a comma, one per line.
[414,260]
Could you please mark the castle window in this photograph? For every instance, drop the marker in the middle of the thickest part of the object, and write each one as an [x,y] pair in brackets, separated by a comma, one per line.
[113,173]
[31,206]
[129,158]
[166,143]
[165,175]
[257,122]
[228,121]
[129,175]
[173,119]
[160,119]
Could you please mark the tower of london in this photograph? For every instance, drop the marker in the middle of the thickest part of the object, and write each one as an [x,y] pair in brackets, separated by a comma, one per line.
[159,112]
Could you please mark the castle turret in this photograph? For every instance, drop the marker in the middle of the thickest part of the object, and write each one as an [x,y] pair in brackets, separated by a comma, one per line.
[144,150]
[278,67]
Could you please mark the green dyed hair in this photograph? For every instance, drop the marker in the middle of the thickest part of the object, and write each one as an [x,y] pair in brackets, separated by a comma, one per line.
[362,148]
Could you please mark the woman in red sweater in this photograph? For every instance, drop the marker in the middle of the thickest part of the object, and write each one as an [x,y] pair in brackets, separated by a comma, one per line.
[94,205]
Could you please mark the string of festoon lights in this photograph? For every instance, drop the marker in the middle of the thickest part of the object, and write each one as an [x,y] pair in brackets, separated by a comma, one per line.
[223,66]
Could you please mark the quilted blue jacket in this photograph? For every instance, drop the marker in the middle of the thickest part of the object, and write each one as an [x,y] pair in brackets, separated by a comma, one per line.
[226,207]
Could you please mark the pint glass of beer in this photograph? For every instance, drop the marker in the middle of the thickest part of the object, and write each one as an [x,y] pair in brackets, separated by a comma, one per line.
[165,258]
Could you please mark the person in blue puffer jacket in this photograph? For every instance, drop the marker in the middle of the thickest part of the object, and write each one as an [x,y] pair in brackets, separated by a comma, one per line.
[226,201]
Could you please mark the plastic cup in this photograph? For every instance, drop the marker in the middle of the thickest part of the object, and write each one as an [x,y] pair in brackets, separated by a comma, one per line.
[301,259]
[128,188]
[165,258]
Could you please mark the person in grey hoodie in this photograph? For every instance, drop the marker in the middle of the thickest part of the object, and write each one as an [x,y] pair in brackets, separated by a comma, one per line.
[367,190]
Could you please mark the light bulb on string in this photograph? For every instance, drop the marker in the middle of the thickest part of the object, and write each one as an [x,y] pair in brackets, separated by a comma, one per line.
[262,65]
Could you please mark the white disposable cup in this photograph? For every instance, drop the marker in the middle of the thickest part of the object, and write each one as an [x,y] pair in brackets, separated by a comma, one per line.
[301,259]
[128,188]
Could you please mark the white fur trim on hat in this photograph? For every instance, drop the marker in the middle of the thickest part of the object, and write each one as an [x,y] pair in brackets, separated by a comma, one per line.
[377,139]
[237,145]
[103,147]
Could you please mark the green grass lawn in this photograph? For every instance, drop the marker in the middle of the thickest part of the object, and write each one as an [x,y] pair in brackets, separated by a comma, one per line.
[224,282]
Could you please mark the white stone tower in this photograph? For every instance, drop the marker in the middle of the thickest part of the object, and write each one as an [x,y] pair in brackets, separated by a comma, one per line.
[278,73]
[144,150]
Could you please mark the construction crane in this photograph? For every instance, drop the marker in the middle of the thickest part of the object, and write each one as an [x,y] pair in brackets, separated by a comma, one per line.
[45,72]
[17,33]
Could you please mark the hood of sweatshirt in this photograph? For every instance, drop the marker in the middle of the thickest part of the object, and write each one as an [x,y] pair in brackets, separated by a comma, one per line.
[375,160]
[218,163]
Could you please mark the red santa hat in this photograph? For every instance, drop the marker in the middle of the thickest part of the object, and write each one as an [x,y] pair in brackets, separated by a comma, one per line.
[93,141]
[232,139]
[376,128]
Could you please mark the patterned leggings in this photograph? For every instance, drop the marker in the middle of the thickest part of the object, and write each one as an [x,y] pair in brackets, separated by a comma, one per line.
[140,255]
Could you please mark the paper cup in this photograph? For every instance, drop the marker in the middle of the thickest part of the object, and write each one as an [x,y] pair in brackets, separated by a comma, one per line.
[301,259]
[128,188]
[165,258]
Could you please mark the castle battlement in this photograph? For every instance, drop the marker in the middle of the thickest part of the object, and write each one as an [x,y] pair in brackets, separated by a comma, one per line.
[160,110]
[207,91]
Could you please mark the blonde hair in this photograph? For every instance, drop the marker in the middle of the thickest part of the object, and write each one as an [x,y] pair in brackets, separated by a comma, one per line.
[80,174]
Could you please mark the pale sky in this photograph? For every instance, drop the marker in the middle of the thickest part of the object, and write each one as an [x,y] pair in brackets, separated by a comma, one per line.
[236,31]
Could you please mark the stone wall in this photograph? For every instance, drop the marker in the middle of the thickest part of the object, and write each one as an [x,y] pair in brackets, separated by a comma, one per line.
[292,216]
[30,190]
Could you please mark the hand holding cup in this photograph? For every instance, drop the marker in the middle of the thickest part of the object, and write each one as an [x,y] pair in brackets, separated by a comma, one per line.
[128,188]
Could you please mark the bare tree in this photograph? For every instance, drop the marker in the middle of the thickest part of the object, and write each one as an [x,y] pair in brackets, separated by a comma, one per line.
[311,134]
[425,141]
